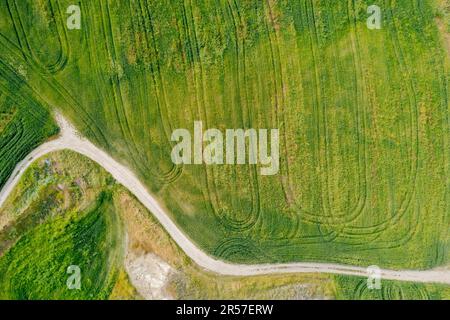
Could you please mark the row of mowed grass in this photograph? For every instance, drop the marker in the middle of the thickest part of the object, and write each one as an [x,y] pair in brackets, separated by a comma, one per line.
[363,116]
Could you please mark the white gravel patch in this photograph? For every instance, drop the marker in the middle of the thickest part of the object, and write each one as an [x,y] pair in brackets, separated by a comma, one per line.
[149,275]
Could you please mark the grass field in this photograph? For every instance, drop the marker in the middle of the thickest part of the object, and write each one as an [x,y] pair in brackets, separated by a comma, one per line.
[24,125]
[68,211]
[363,116]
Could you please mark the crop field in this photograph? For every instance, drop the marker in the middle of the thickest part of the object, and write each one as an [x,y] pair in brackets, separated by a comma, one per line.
[363,116]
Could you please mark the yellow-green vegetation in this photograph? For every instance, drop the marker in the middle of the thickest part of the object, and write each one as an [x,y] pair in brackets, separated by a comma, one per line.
[363,116]
[66,210]
[123,290]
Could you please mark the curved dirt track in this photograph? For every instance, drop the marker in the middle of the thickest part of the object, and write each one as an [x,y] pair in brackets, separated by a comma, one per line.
[71,140]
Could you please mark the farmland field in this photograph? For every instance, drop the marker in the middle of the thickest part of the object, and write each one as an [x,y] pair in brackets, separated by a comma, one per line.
[363,116]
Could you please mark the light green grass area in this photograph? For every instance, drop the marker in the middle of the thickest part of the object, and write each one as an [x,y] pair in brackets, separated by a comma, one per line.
[66,211]
[363,116]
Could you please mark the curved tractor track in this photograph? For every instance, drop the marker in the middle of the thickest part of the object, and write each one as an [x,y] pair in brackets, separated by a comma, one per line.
[72,140]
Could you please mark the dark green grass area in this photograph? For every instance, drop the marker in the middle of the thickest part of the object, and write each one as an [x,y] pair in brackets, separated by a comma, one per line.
[354,288]
[24,125]
[363,116]
[36,266]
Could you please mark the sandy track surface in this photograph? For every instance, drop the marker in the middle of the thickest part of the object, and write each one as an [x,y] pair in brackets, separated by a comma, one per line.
[71,140]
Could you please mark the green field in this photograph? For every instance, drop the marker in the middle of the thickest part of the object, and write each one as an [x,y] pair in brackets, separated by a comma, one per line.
[363,116]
